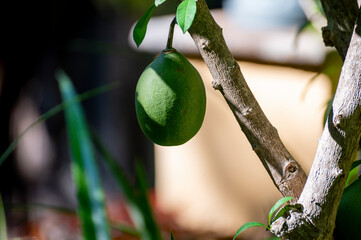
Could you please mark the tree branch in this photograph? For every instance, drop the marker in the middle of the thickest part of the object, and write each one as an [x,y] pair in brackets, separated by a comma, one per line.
[338,143]
[341,16]
[336,152]
[285,172]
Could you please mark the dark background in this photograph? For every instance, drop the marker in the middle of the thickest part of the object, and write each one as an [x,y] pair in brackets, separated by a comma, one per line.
[89,40]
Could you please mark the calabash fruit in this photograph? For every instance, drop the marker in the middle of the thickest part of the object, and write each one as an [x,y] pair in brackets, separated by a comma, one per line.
[170,99]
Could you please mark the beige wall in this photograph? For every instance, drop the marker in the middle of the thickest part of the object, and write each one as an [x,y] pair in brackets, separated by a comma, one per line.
[215,182]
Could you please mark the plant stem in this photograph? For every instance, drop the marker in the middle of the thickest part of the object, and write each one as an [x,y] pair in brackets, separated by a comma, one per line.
[171,33]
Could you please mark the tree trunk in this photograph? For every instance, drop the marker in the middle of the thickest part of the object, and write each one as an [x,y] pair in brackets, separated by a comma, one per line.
[339,141]
[336,151]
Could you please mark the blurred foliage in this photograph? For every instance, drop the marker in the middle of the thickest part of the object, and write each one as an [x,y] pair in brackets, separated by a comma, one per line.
[91,202]
[319,6]
[134,7]
[3,228]
[85,173]
[138,7]
[136,194]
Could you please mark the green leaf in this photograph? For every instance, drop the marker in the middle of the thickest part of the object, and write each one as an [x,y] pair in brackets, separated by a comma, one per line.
[138,203]
[159,2]
[141,27]
[148,226]
[286,209]
[55,110]
[353,174]
[3,229]
[248,225]
[125,228]
[355,164]
[91,204]
[171,235]
[278,204]
[186,12]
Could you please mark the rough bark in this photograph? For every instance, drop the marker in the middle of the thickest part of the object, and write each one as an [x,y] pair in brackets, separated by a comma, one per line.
[341,16]
[285,172]
[336,151]
[338,143]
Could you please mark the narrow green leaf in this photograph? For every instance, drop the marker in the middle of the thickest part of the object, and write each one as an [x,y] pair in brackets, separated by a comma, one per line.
[328,110]
[186,12]
[353,174]
[138,203]
[125,228]
[171,235]
[91,204]
[55,110]
[140,28]
[159,2]
[286,209]
[116,170]
[3,229]
[248,225]
[278,204]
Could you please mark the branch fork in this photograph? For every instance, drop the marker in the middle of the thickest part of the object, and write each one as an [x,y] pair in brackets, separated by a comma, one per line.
[321,194]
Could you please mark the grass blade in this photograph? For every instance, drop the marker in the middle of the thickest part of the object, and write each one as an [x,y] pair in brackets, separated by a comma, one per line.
[143,204]
[3,229]
[91,206]
[138,203]
[171,235]
[248,225]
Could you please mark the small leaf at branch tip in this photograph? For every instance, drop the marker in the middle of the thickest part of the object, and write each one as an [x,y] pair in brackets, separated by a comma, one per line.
[278,204]
[140,28]
[185,14]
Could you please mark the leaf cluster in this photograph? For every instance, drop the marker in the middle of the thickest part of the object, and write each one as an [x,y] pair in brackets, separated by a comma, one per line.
[272,212]
[185,14]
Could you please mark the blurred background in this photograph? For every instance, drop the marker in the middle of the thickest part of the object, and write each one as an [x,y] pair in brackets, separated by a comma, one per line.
[205,188]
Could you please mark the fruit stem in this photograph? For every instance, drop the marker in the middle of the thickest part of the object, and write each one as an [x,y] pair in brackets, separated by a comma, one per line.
[171,33]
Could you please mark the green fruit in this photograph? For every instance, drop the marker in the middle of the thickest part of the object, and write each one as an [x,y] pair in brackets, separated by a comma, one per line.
[170,99]
[348,220]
